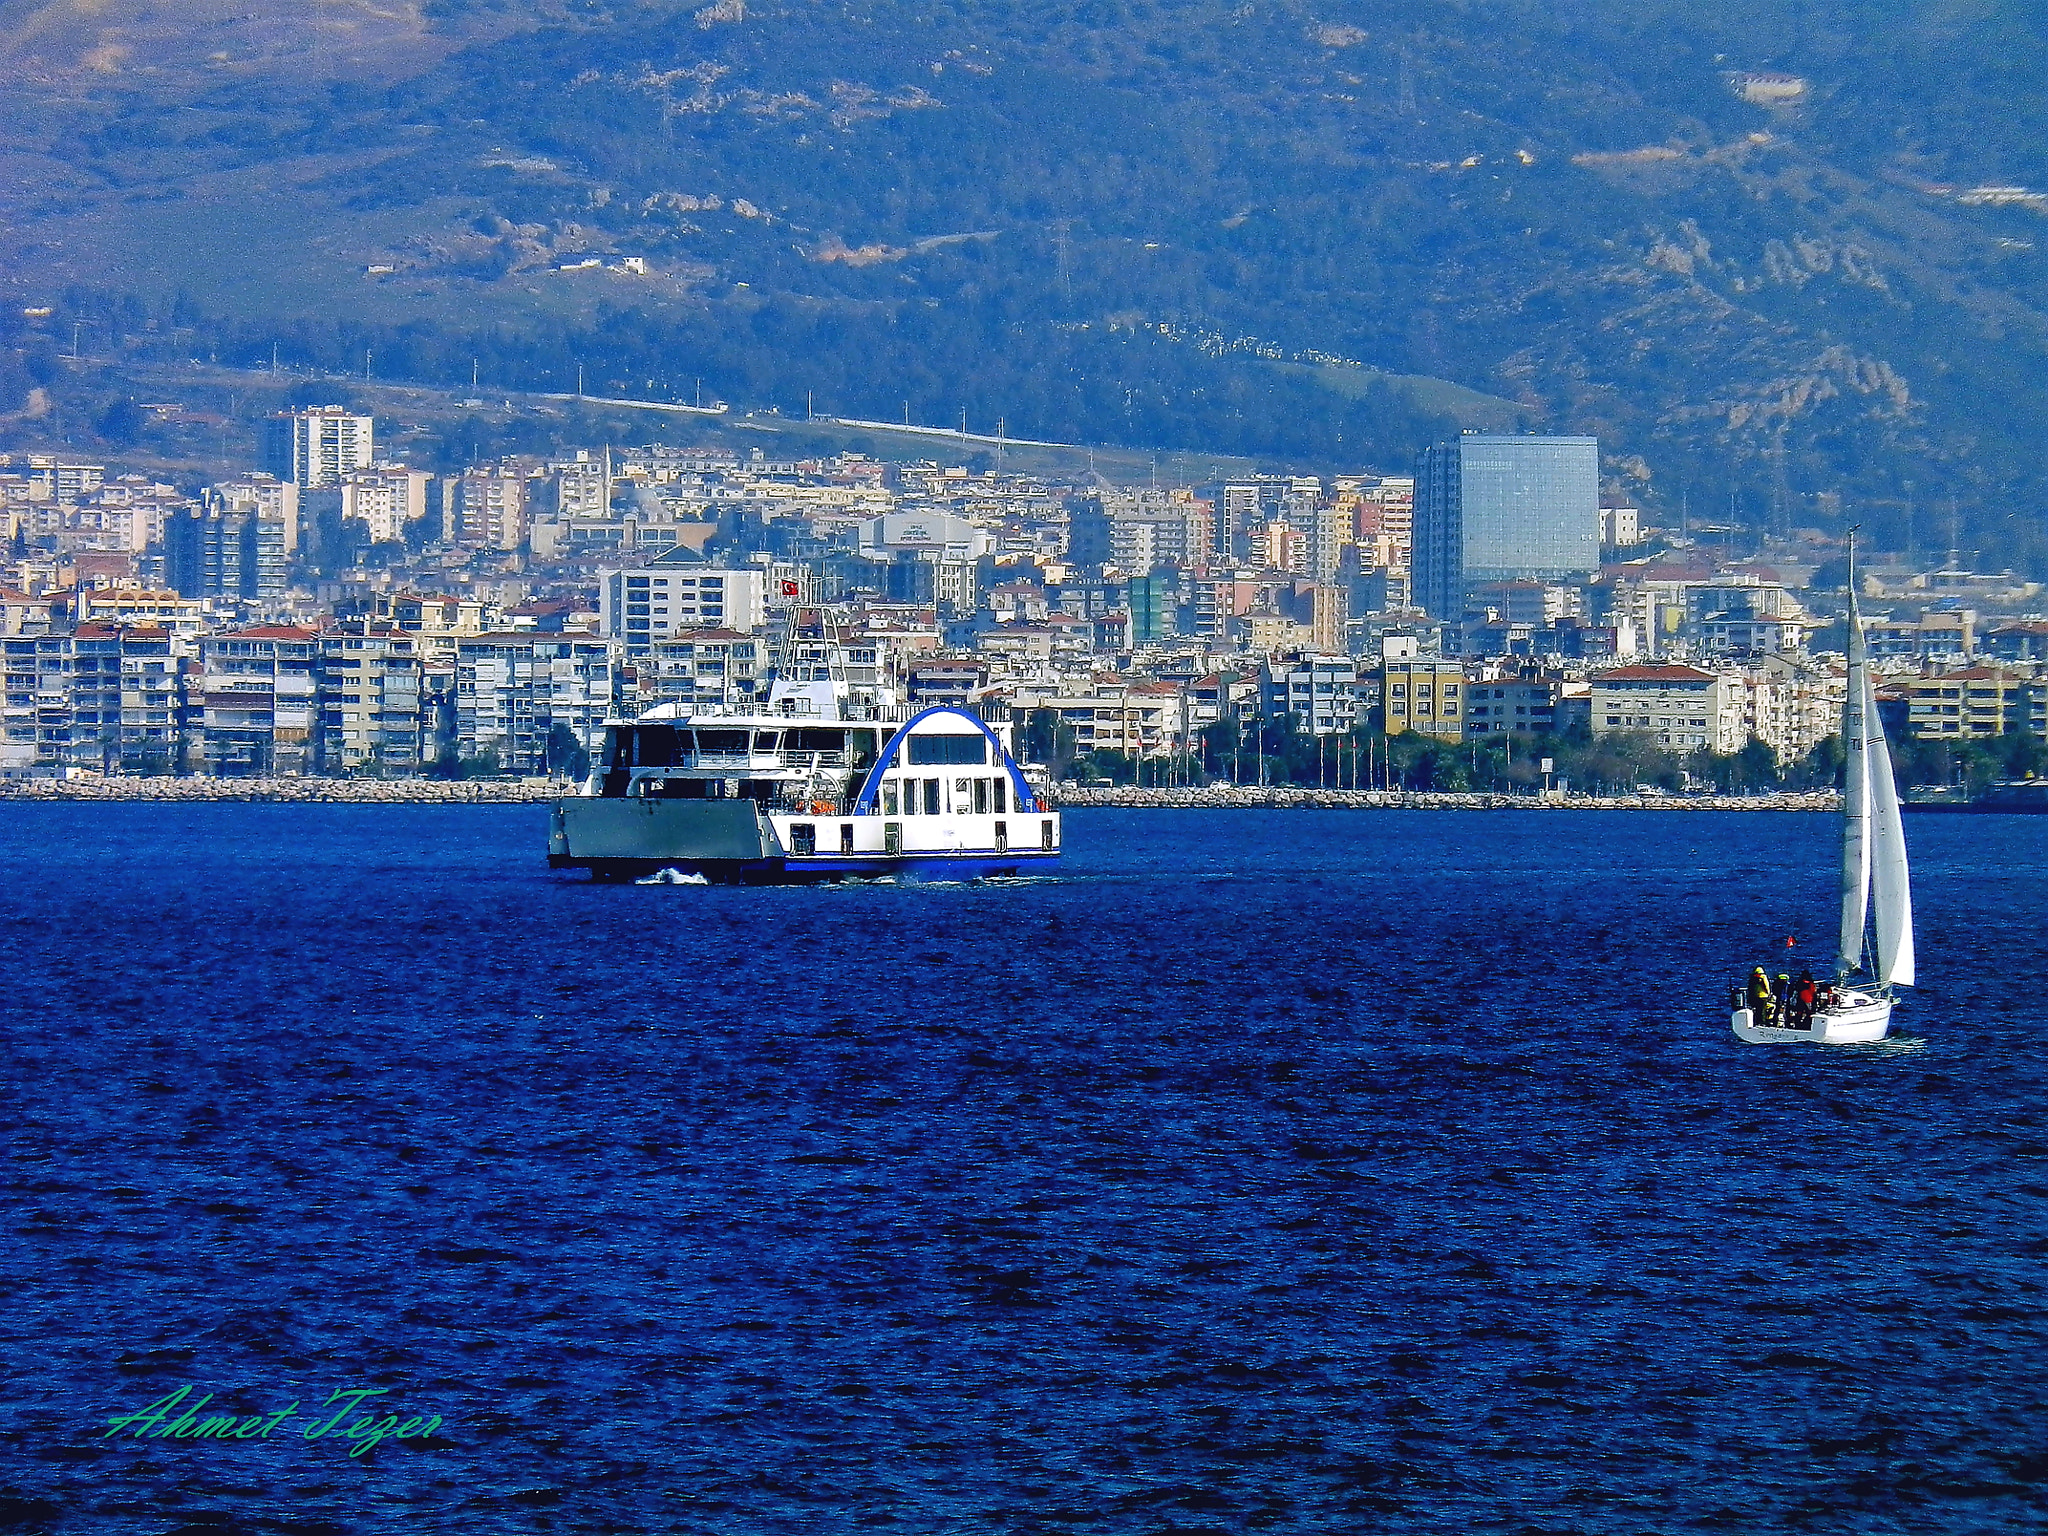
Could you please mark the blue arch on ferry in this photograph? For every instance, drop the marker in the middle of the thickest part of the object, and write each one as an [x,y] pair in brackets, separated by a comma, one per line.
[871,787]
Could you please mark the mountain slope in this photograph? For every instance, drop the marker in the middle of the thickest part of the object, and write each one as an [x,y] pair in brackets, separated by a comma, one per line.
[1133,220]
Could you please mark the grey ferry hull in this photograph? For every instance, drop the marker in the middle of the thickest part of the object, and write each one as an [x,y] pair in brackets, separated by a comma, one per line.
[737,842]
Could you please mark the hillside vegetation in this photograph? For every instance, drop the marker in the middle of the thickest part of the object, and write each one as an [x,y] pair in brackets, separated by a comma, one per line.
[1244,228]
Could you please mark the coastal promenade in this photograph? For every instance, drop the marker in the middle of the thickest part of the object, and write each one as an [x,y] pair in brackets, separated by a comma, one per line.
[1242,797]
[1247,797]
[274,791]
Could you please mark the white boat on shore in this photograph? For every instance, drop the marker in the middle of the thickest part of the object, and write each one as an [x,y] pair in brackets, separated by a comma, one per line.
[1877,896]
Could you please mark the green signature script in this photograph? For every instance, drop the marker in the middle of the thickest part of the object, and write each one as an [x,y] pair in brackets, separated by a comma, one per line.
[172,1417]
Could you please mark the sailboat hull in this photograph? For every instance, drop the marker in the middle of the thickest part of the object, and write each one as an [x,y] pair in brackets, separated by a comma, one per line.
[1856,1019]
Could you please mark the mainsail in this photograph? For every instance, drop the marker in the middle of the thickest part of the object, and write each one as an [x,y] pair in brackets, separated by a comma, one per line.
[1873,831]
[1891,893]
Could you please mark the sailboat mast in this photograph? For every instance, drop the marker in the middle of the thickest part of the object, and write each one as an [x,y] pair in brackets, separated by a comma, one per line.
[1856,703]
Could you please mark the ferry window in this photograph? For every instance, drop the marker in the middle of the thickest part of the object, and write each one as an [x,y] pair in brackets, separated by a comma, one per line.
[889,798]
[948,751]
[1002,797]
[764,741]
[721,741]
[860,748]
[892,837]
[1045,836]
[1002,837]
[931,795]
[811,739]
[846,837]
[803,839]
[981,797]
[656,745]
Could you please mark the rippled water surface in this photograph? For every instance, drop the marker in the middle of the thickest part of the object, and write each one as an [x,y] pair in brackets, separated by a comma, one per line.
[1299,1172]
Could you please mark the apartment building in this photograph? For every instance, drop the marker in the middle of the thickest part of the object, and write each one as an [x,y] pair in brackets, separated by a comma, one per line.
[1970,702]
[485,508]
[105,697]
[704,670]
[953,680]
[373,711]
[1138,719]
[386,499]
[264,498]
[183,616]
[1504,705]
[644,605]
[1938,635]
[1792,704]
[317,447]
[256,693]
[1319,690]
[1680,707]
[1138,530]
[1423,694]
[513,689]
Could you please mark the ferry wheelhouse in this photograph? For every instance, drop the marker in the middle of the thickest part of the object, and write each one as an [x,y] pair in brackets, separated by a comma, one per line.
[803,791]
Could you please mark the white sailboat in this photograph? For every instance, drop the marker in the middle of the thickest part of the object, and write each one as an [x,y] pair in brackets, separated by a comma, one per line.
[1876,893]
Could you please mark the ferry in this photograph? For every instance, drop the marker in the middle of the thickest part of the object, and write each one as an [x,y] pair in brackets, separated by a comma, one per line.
[814,787]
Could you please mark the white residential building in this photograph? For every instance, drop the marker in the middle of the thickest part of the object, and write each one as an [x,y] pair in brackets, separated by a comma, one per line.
[1676,706]
[653,602]
[1793,704]
[1320,691]
[387,498]
[513,689]
[271,500]
[704,670]
[321,445]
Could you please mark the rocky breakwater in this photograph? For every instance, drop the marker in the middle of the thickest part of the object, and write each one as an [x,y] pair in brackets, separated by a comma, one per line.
[1246,797]
[281,791]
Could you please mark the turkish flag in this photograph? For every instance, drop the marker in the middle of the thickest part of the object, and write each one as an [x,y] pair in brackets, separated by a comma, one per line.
[789,589]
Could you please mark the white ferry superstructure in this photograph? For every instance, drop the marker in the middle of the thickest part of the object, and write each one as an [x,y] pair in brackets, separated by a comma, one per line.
[811,788]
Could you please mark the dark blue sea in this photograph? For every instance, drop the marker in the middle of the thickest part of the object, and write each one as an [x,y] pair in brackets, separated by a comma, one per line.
[1289,1172]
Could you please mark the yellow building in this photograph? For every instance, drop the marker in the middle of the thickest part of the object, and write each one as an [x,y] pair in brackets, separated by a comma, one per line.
[1424,695]
[1268,634]
[1974,701]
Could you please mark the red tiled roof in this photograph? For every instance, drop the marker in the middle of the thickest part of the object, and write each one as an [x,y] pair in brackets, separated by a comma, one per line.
[1654,675]
[270,632]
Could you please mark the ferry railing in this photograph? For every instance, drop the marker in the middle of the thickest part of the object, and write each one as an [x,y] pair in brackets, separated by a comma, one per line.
[751,762]
[794,804]
[811,762]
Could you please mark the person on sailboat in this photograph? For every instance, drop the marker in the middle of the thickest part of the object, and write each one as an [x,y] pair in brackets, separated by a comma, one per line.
[1759,996]
[1805,999]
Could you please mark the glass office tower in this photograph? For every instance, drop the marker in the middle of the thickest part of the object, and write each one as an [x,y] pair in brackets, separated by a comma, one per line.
[1503,508]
